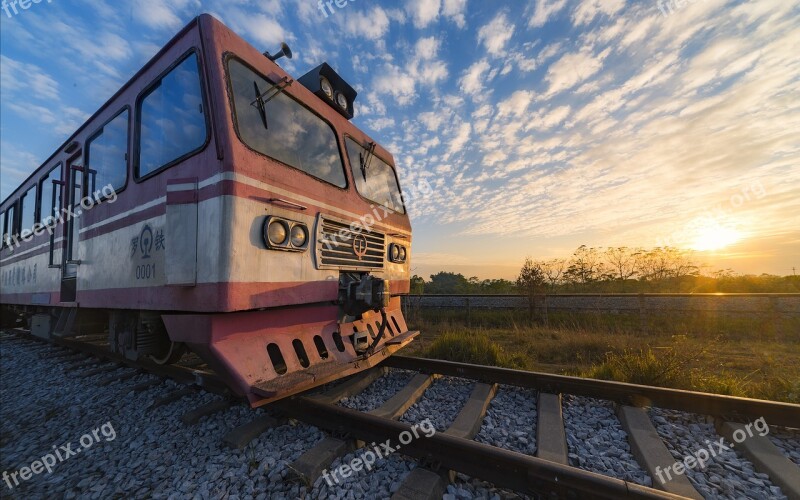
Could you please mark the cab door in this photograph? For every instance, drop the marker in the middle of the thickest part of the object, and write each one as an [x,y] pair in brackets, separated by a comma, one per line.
[74,193]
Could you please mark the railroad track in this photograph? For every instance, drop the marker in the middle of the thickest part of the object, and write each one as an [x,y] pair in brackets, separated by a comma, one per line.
[371,415]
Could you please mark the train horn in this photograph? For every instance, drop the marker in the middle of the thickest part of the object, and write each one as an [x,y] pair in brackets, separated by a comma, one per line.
[285,51]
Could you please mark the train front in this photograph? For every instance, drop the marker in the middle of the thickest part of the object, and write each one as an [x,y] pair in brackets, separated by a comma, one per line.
[315,240]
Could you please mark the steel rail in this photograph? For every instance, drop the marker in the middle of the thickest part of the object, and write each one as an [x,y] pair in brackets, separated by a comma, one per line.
[601,295]
[729,407]
[503,468]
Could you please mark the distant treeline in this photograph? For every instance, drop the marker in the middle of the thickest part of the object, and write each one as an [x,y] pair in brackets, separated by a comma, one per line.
[612,270]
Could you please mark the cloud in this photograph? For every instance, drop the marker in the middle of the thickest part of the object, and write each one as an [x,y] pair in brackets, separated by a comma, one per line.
[29,79]
[472,79]
[158,14]
[423,12]
[572,69]
[588,10]
[461,138]
[545,9]
[496,34]
[427,48]
[454,10]
[372,25]
[397,83]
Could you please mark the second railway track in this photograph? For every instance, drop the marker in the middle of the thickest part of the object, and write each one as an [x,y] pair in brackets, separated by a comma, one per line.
[493,432]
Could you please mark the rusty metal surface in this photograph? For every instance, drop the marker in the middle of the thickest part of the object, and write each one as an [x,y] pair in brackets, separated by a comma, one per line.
[776,413]
[503,468]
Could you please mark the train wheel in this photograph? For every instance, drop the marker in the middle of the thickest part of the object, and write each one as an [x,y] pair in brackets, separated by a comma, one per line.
[171,354]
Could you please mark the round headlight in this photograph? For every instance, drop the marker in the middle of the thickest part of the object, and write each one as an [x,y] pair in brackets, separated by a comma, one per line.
[277,232]
[403,254]
[341,100]
[299,236]
[395,252]
[326,87]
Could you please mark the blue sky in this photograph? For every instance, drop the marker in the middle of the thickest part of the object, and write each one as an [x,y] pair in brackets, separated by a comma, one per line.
[540,125]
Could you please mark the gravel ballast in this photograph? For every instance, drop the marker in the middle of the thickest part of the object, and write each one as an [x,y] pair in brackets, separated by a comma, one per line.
[788,441]
[597,442]
[510,423]
[727,474]
[140,452]
[379,391]
[441,403]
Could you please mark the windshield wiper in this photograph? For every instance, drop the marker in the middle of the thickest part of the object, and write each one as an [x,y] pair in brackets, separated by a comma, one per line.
[366,159]
[261,98]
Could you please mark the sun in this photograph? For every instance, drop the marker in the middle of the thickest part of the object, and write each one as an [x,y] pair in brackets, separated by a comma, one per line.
[715,237]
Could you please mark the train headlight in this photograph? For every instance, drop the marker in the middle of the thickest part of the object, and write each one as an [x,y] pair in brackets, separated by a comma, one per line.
[286,235]
[277,232]
[326,87]
[397,253]
[299,236]
[341,100]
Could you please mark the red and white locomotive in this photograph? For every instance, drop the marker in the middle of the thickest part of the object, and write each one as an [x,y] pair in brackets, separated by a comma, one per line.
[217,204]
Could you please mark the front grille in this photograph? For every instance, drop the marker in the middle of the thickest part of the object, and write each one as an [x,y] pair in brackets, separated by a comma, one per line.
[336,248]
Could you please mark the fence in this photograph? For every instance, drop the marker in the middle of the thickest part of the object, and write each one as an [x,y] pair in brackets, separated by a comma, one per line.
[769,307]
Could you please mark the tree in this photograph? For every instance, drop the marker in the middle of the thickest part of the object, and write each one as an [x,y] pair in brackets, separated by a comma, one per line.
[417,285]
[554,271]
[623,262]
[530,281]
[585,267]
[447,283]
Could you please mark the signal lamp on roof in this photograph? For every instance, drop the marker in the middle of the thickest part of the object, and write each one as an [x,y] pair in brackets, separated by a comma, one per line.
[329,86]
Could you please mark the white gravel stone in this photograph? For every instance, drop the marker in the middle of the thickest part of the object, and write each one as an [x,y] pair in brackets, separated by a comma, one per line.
[152,454]
[596,441]
[379,391]
[788,441]
[441,403]
[510,423]
[727,475]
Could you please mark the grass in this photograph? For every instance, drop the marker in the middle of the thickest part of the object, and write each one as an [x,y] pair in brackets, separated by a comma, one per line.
[746,357]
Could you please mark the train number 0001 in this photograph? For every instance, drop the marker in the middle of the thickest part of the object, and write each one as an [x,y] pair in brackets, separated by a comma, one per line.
[145,272]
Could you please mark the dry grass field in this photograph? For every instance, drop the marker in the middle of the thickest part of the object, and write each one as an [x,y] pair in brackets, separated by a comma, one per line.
[746,357]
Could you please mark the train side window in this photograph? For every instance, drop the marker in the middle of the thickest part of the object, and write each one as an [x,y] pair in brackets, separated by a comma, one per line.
[50,197]
[27,211]
[172,118]
[282,128]
[9,226]
[3,231]
[107,154]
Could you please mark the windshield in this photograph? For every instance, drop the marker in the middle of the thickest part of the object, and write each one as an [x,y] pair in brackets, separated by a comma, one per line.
[276,125]
[375,179]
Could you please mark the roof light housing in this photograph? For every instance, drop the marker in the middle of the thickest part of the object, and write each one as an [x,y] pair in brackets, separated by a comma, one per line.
[315,80]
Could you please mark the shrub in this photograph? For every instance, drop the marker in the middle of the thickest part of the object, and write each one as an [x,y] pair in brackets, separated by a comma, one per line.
[475,348]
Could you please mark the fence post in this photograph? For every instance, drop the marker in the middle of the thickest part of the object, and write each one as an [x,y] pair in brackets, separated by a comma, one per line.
[774,316]
[546,317]
[642,312]
[469,313]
